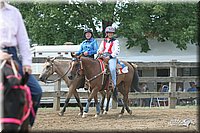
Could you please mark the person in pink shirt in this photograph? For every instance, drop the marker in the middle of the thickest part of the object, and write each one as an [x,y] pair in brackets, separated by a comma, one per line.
[14,41]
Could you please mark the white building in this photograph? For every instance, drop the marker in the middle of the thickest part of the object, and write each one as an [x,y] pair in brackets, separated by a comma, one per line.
[160,52]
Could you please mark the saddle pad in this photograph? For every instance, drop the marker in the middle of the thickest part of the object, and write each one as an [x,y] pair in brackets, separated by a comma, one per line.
[102,64]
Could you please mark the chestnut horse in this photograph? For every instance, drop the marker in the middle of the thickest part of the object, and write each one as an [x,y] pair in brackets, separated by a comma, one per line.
[62,67]
[91,68]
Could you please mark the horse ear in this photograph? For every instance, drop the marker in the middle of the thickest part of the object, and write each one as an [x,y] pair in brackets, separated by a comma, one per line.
[48,58]
[53,59]
[73,55]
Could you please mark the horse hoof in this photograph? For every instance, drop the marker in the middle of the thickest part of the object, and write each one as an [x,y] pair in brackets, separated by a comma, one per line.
[102,112]
[105,112]
[84,115]
[96,116]
[80,114]
[120,115]
[130,112]
[60,114]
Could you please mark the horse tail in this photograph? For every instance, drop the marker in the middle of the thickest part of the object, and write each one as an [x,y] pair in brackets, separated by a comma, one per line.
[135,80]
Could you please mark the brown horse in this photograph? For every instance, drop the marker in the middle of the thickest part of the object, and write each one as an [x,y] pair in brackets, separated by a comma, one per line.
[61,67]
[91,68]
[17,103]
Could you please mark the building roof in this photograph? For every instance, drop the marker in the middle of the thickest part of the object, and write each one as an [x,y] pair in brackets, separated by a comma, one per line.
[160,51]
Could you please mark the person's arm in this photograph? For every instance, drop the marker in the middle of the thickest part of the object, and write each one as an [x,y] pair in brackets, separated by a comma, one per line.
[101,47]
[4,55]
[80,51]
[94,48]
[116,49]
[23,44]
[23,41]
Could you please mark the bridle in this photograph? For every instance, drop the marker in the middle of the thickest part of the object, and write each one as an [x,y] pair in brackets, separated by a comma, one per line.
[53,81]
[28,107]
[81,69]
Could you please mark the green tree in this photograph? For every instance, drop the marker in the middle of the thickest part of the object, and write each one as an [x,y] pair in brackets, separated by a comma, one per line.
[57,23]
[162,21]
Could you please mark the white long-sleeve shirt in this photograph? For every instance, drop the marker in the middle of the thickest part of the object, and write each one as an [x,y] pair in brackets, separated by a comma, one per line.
[13,32]
[114,50]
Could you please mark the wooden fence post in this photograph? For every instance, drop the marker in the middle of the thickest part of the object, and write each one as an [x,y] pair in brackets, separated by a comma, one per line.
[56,99]
[172,85]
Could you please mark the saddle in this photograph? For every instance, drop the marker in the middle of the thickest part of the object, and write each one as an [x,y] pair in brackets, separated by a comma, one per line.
[108,84]
[120,67]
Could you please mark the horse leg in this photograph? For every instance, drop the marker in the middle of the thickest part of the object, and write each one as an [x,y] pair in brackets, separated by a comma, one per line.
[66,101]
[79,102]
[125,99]
[103,94]
[122,110]
[125,103]
[108,101]
[86,109]
[97,105]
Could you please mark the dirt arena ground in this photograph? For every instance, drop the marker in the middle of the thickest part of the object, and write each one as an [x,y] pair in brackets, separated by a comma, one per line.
[143,119]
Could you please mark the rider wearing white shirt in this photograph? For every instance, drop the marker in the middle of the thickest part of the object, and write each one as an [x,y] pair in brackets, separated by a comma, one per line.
[109,47]
[14,40]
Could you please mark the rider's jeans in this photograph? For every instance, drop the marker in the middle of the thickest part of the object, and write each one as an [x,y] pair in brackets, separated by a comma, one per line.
[112,66]
[36,91]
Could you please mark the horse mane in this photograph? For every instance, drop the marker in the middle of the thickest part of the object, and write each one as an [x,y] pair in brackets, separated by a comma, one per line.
[91,60]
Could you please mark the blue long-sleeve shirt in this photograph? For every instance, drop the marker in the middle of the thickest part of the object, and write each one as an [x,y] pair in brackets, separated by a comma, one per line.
[89,46]
[192,89]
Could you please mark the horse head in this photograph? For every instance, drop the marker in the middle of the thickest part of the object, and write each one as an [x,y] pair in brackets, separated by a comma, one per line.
[76,67]
[48,69]
[15,99]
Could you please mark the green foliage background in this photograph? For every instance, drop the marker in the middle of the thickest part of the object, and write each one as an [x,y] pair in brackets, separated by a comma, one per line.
[57,23]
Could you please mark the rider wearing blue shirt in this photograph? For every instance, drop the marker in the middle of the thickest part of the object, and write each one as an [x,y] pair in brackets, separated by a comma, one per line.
[89,46]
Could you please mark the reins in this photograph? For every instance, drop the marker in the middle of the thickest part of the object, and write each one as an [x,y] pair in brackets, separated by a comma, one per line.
[50,81]
[94,77]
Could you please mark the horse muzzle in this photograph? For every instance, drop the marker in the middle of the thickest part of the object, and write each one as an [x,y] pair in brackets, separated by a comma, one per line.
[42,78]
